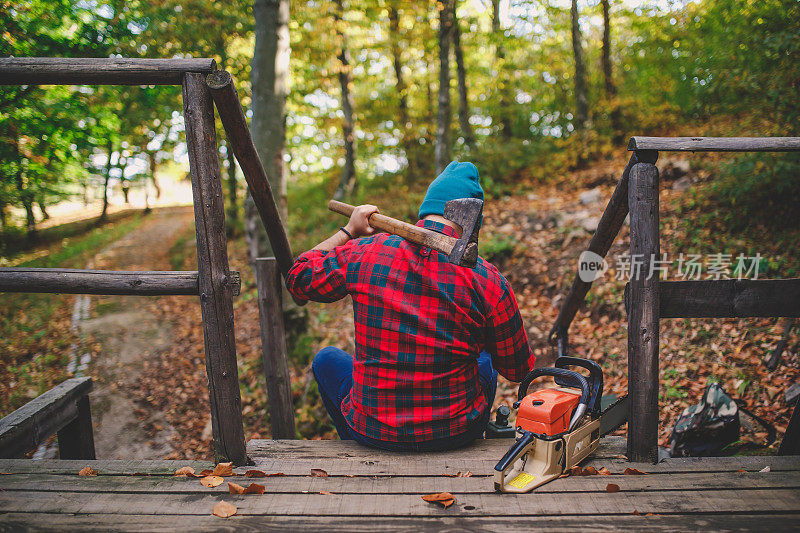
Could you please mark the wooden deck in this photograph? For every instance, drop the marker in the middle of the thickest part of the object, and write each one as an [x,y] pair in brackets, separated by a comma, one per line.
[376,491]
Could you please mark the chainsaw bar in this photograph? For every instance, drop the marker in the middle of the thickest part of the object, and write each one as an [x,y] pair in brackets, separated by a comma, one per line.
[614,416]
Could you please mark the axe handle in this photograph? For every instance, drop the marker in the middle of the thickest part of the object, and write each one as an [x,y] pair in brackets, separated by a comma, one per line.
[424,237]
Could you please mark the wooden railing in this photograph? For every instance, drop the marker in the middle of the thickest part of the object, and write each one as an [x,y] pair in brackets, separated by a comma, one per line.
[213,282]
[65,410]
[650,300]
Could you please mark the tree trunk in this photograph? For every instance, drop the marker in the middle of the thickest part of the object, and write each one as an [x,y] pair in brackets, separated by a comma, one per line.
[3,220]
[463,101]
[581,100]
[269,79]
[151,156]
[347,183]
[400,85]
[43,209]
[442,150]
[503,116]
[611,90]
[107,177]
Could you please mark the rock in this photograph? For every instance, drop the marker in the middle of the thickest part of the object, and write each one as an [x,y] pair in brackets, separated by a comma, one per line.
[590,224]
[682,184]
[590,197]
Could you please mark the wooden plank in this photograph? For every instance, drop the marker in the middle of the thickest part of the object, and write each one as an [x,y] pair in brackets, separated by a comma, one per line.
[388,464]
[610,447]
[476,484]
[607,230]
[28,426]
[233,120]
[273,348]
[76,439]
[77,281]
[104,467]
[216,295]
[715,144]
[503,524]
[98,70]
[410,505]
[730,298]
[643,331]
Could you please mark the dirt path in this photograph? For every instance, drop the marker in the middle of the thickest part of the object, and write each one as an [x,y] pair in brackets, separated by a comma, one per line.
[131,334]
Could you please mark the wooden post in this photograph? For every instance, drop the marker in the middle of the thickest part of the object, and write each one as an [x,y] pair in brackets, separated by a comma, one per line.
[273,348]
[643,317]
[76,439]
[216,294]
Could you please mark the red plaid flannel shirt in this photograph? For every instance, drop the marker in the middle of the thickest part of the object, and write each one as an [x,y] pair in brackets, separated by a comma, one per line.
[420,324]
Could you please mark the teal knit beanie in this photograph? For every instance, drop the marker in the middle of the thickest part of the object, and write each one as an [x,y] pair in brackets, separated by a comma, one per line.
[458,180]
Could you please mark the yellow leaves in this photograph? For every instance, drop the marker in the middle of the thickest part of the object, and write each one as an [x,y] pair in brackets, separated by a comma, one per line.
[252,488]
[224,509]
[445,499]
[223,470]
[211,481]
[87,471]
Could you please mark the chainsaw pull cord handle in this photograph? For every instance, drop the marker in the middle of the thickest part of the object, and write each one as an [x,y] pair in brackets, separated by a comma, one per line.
[569,378]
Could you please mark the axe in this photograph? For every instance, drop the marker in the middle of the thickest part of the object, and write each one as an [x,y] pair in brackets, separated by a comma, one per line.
[466,212]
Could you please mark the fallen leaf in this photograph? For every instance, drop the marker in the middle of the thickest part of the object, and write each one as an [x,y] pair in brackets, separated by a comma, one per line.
[318,472]
[576,471]
[255,473]
[740,470]
[589,471]
[612,487]
[87,471]
[255,488]
[211,481]
[235,488]
[223,469]
[604,472]
[637,513]
[185,471]
[634,472]
[326,493]
[224,509]
[346,475]
[276,474]
[206,473]
[460,474]
[764,470]
[443,498]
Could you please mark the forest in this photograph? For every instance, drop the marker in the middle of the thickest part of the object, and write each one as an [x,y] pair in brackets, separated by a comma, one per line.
[366,102]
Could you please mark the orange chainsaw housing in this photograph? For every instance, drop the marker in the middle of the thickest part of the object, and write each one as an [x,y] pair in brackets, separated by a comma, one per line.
[547,411]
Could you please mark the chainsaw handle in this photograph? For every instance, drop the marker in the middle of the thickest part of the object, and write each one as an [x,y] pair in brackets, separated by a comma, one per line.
[568,378]
[595,379]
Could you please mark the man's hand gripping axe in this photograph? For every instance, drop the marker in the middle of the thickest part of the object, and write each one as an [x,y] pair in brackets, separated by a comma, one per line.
[466,212]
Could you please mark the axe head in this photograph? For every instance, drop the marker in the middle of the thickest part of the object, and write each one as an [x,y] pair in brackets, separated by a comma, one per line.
[466,212]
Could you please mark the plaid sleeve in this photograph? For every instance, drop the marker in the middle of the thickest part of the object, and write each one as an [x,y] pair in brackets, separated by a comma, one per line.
[507,340]
[320,276]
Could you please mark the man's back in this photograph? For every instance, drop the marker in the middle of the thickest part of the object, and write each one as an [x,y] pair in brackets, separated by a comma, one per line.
[420,324]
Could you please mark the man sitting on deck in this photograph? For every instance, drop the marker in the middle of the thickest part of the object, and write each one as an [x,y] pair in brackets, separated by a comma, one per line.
[422,378]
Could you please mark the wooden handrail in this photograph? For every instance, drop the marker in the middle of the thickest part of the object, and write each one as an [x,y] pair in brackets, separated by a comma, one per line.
[607,230]
[715,144]
[63,409]
[99,70]
[233,120]
[106,282]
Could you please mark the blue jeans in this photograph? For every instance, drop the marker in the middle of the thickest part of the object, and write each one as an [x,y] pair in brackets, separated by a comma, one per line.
[333,370]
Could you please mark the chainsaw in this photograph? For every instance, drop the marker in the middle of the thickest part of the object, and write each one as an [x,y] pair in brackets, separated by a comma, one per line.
[557,428]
